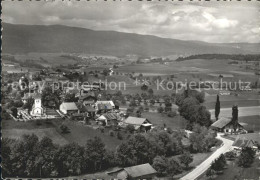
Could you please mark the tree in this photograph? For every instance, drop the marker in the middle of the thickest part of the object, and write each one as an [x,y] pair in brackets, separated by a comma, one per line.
[70,97]
[50,97]
[119,136]
[150,92]
[230,155]
[160,164]
[210,173]
[217,108]
[29,104]
[130,128]
[235,117]
[160,109]
[174,166]
[186,158]
[64,129]
[144,87]
[219,163]
[246,157]
[14,111]
[94,153]
[6,157]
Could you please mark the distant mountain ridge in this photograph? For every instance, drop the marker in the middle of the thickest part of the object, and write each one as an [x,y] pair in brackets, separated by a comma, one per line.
[58,38]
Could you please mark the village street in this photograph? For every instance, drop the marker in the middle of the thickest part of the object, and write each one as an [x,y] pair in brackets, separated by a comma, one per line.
[242,111]
[200,169]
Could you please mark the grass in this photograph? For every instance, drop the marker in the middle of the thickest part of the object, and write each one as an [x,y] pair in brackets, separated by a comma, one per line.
[251,122]
[235,172]
[48,132]
[161,119]
[229,104]
[81,133]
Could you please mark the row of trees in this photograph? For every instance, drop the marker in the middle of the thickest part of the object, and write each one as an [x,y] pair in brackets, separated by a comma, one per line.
[30,157]
[239,57]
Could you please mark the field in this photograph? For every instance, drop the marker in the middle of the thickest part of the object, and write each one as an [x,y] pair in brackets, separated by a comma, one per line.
[235,172]
[161,119]
[251,122]
[79,133]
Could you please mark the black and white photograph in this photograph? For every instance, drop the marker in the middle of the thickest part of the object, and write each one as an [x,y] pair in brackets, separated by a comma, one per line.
[130,89]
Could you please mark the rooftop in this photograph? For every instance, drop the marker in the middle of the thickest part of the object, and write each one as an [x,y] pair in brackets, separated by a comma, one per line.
[140,170]
[222,122]
[69,106]
[135,120]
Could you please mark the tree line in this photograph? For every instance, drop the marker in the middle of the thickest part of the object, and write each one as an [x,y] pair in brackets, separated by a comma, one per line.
[31,157]
[238,57]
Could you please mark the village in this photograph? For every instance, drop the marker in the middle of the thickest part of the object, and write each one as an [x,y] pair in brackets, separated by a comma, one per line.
[50,94]
[130,90]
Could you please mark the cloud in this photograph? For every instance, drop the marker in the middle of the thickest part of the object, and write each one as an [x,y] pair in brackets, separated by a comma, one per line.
[206,21]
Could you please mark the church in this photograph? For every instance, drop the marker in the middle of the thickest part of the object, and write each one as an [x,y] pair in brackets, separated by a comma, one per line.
[37,109]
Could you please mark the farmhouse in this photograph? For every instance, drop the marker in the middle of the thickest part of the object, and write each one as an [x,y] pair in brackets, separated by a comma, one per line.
[241,143]
[37,109]
[138,123]
[226,125]
[87,99]
[143,171]
[104,106]
[108,119]
[247,140]
[68,108]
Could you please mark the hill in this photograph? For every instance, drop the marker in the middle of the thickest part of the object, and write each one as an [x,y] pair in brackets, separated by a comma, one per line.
[58,38]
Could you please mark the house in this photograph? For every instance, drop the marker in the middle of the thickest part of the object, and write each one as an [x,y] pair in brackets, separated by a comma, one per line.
[143,171]
[88,99]
[37,109]
[68,108]
[251,140]
[226,125]
[89,110]
[241,143]
[138,123]
[108,119]
[104,106]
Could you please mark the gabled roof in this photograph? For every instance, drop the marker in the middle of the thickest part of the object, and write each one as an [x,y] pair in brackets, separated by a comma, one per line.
[140,170]
[111,116]
[255,137]
[104,106]
[135,120]
[243,142]
[222,122]
[69,106]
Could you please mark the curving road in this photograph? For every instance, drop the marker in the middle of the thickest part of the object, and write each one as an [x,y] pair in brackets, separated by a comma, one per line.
[200,169]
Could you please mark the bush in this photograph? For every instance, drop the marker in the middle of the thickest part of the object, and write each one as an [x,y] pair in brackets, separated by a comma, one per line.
[119,136]
[172,114]
[130,128]
[102,129]
[111,133]
[230,155]
[64,129]
[38,122]
[159,109]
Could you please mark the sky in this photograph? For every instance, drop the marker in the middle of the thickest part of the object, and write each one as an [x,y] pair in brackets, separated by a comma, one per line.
[219,22]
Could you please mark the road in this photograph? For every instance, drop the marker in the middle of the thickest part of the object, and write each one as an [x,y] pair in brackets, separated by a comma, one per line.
[200,169]
[242,111]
